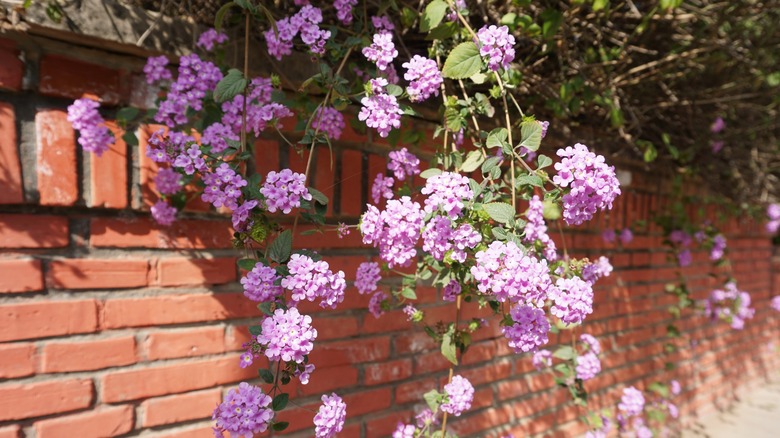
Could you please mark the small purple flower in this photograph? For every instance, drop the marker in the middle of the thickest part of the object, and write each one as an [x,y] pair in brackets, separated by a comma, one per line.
[460,394]
[684,258]
[367,277]
[447,191]
[241,214]
[284,190]
[403,164]
[632,403]
[382,24]
[94,136]
[529,331]
[588,366]
[573,300]
[718,125]
[382,188]
[424,77]
[328,120]
[496,44]
[451,291]
[509,274]
[717,146]
[344,10]
[287,335]
[381,112]
[155,69]
[244,412]
[210,38]
[309,279]
[675,387]
[542,359]
[167,181]
[592,343]
[164,213]
[775,303]
[381,51]
[404,431]
[718,247]
[260,284]
[330,417]
[246,359]
[626,236]
[375,304]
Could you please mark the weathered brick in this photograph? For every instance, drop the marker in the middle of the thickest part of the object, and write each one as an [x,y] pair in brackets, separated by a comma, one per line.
[13,68]
[178,408]
[17,360]
[185,343]
[102,422]
[49,318]
[351,182]
[324,175]
[142,233]
[108,173]
[33,231]
[351,352]
[20,275]
[171,379]
[97,274]
[11,176]
[13,431]
[175,309]
[29,400]
[56,150]
[86,356]
[266,156]
[393,371]
[65,77]
[183,271]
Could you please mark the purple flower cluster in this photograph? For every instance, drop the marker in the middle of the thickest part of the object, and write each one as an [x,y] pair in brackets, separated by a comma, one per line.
[451,291]
[593,184]
[439,238]
[190,160]
[216,135]
[600,268]
[395,231]
[167,181]
[404,164]
[259,109]
[591,342]
[424,78]
[309,280]
[287,335]
[382,24]
[632,403]
[196,78]
[542,359]
[244,412]
[775,303]
[375,303]
[260,284]
[163,213]
[284,190]
[381,51]
[505,271]
[330,417]
[718,125]
[498,45]
[588,366]
[773,213]
[460,394]
[404,431]
[329,120]
[573,299]
[306,23]
[529,331]
[223,187]
[344,10]
[729,304]
[210,38]
[381,112]
[240,218]
[367,277]
[536,229]
[382,188]
[94,136]
[447,191]
[718,247]
[155,69]
[452,14]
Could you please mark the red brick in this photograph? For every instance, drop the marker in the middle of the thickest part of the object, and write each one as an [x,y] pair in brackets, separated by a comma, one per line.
[70,78]
[329,379]
[13,67]
[266,156]
[188,432]
[11,176]
[324,174]
[182,271]
[350,183]
[62,357]
[102,422]
[142,233]
[185,343]
[367,402]
[33,231]
[178,408]
[14,431]
[393,371]
[334,327]
[29,400]
[50,318]
[97,274]
[181,377]
[297,160]
[108,173]
[20,275]
[56,150]
[17,360]
[351,352]
[175,309]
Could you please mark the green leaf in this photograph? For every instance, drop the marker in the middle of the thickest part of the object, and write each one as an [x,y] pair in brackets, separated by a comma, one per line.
[473,160]
[266,375]
[500,212]
[499,233]
[127,113]
[660,389]
[427,173]
[551,21]
[464,61]
[433,399]
[530,135]
[280,402]
[408,293]
[265,308]
[255,330]
[220,16]
[543,161]
[600,4]
[394,90]
[551,211]
[565,353]
[280,426]
[433,15]
[443,31]
[130,138]
[528,180]
[497,138]
[281,248]
[490,164]
[318,196]
[246,264]
[230,86]
[448,348]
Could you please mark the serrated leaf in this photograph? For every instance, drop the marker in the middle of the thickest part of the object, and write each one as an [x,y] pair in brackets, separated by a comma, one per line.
[565,353]
[433,15]
[490,164]
[280,249]
[318,196]
[473,160]
[448,348]
[246,264]
[528,180]
[497,138]
[433,399]
[427,173]
[464,61]
[530,135]
[266,375]
[443,31]
[408,293]
[230,86]
[499,233]
[500,212]
[280,402]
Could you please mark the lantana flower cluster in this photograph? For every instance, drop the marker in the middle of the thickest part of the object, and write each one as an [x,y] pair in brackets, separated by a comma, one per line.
[593,184]
[94,136]
[729,304]
[306,23]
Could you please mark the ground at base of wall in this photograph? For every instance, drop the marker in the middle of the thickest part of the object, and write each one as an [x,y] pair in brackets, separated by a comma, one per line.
[756,414]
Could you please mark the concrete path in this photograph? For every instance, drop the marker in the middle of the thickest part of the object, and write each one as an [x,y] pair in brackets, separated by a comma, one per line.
[757,415]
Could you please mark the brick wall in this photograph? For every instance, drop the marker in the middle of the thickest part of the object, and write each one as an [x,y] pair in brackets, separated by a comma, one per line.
[110,325]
